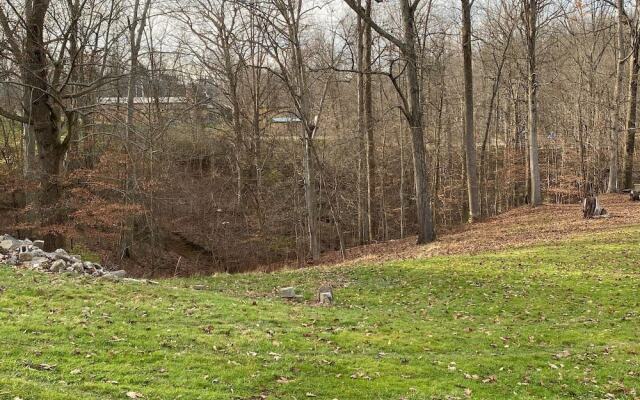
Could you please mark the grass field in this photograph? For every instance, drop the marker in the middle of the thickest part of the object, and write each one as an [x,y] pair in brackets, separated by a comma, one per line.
[552,321]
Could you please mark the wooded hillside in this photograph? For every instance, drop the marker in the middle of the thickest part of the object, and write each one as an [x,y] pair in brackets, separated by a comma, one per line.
[183,137]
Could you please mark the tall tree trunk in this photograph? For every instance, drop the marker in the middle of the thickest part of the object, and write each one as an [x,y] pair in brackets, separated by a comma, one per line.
[310,197]
[426,232]
[531,16]
[411,107]
[136,30]
[368,112]
[469,136]
[45,117]
[632,104]
[616,126]
[363,191]
[29,160]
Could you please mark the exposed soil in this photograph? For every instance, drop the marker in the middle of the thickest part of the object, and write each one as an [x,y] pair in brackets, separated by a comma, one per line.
[520,227]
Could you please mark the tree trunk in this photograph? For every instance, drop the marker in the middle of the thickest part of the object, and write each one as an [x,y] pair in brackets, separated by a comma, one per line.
[426,232]
[469,136]
[29,160]
[368,113]
[531,15]
[632,104]
[136,29]
[45,117]
[310,197]
[363,196]
[616,127]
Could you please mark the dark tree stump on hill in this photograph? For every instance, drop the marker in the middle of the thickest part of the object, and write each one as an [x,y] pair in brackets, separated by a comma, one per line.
[634,194]
[591,208]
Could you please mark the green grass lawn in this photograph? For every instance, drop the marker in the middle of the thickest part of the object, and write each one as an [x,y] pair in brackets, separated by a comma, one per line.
[559,321]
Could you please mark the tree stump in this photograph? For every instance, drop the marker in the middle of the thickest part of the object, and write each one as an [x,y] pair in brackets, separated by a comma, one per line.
[591,208]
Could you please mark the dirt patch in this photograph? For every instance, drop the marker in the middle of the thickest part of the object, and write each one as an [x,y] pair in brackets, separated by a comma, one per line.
[520,227]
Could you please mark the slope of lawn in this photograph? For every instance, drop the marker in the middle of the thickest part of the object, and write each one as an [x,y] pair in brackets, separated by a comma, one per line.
[552,321]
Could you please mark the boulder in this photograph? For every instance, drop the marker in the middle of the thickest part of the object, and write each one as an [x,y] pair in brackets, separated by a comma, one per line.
[120,273]
[288,293]
[25,256]
[111,277]
[58,266]
[41,264]
[8,244]
[78,267]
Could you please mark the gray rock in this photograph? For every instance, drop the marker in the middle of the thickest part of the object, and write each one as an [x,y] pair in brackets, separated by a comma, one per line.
[24,256]
[326,298]
[7,245]
[120,273]
[60,254]
[39,244]
[89,268]
[39,260]
[288,293]
[58,266]
[111,277]
[41,265]
[78,267]
[38,253]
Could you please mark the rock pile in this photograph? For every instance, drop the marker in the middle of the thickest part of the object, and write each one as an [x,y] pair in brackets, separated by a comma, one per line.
[30,254]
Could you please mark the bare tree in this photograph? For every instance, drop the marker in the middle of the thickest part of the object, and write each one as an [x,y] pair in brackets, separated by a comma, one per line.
[632,98]
[285,23]
[616,120]
[530,14]
[469,134]
[411,106]
[48,59]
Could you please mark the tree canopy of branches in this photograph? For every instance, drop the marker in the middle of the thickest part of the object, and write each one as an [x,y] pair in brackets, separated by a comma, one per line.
[226,134]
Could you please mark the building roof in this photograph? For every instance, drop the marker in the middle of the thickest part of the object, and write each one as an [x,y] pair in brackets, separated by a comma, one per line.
[285,120]
[142,100]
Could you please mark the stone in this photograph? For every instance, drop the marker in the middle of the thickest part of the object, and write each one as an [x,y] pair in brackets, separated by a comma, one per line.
[41,265]
[39,244]
[111,277]
[89,267]
[288,293]
[78,267]
[7,245]
[24,256]
[60,254]
[58,266]
[326,298]
[120,273]
[325,295]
